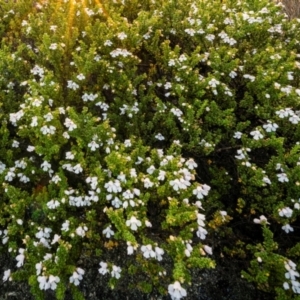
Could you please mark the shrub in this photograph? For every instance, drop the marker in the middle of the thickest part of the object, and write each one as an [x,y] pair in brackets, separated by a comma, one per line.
[149,135]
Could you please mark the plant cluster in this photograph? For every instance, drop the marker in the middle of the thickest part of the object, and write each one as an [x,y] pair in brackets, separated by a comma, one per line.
[157,136]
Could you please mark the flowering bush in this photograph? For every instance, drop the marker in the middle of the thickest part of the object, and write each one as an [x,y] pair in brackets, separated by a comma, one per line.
[160,132]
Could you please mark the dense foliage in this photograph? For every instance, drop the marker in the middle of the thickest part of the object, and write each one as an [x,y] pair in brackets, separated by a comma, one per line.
[157,136]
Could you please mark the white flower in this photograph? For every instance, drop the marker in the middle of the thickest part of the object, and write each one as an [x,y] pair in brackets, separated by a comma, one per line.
[37,102]
[161,175]
[148,251]
[146,36]
[190,31]
[15,144]
[20,258]
[270,127]
[65,226]
[176,291]
[120,52]
[122,177]
[93,181]
[103,270]
[113,187]
[256,134]
[72,85]
[232,74]
[285,112]
[108,43]
[77,169]
[285,212]
[223,213]
[81,230]
[282,177]
[241,154]
[287,228]
[53,280]
[5,237]
[210,37]
[48,129]
[133,223]
[97,57]
[108,232]
[122,35]
[70,124]
[213,83]
[130,248]
[91,97]
[19,221]
[37,70]
[160,137]
[56,238]
[191,164]
[262,219]
[128,194]
[53,27]
[6,275]
[10,174]
[77,276]
[52,204]
[66,135]
[175,184]
[148,183]
[126,203]
[53,46]
[140,160]
[177,112]
[151,169]
[30,148]
[266,180]
[46,166]
[69,155]
[171,63]
[159,252]
[61,110]
[23,178]
[201,191]
[200,219]
[286,286]
[208,249]
[116,272]
[80,77]
[201,233]
[292,274]
[43,232]
[127,143]
[2,167]
[248,76]
[56,179]
[198,204]
[48,256]
[89,11]
[294,119]
[188,250]
[148,224]
[44,285]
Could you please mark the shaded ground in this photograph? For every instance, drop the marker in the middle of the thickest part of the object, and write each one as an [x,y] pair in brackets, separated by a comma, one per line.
[222,283]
